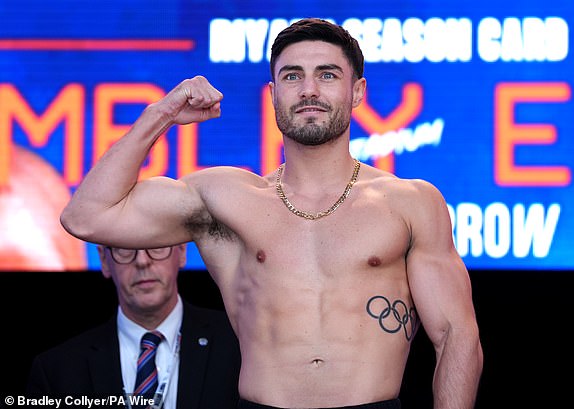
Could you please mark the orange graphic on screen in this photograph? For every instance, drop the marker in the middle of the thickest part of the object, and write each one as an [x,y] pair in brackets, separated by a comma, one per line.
[508,134]
[31,199]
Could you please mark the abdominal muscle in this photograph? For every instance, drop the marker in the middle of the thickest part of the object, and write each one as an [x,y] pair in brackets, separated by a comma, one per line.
[306,348]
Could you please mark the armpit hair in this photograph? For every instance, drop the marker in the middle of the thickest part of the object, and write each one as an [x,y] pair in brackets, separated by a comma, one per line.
[199,225]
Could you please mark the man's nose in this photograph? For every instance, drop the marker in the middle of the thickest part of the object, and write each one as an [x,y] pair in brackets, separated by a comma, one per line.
[309,88]
[142,258]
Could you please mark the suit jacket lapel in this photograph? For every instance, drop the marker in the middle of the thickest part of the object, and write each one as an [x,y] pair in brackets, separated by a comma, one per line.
[104,361]
[194,355]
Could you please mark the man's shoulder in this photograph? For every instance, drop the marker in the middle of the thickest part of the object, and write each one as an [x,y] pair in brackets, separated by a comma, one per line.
[215,322]
[223,174]
[208,314]
[382,180]
[78,344]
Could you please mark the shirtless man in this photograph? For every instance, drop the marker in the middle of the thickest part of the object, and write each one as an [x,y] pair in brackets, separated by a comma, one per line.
[325,290]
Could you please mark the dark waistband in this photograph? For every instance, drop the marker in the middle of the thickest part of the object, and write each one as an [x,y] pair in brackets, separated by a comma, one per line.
[386,404]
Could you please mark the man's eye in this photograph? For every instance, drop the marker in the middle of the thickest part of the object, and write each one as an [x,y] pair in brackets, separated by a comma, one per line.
[328,75]
[291,77]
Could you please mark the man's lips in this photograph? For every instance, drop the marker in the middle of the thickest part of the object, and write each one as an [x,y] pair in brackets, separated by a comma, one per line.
[146,282]
[309,109]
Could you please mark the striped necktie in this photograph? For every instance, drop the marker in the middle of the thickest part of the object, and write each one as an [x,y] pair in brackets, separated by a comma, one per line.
[146,377]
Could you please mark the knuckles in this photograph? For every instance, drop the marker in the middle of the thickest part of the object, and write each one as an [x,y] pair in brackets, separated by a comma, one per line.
[199,92]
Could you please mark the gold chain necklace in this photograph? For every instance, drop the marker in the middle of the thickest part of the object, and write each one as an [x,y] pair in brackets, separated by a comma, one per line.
[324,213]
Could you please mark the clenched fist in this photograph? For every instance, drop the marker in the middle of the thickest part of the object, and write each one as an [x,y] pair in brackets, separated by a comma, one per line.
[192,100]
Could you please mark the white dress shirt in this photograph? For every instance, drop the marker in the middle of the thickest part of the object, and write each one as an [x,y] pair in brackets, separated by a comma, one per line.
[167,356]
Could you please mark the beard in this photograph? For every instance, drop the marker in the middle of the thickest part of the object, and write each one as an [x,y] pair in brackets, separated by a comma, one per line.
[312,133]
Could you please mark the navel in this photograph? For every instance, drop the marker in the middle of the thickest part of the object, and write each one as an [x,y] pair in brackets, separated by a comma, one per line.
[374,261]
[317,362]
[261,256]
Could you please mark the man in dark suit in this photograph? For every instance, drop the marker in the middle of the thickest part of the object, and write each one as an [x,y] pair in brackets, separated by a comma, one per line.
[197,360]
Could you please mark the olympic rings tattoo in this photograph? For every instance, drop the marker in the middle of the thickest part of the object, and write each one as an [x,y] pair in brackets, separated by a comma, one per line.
[404,317]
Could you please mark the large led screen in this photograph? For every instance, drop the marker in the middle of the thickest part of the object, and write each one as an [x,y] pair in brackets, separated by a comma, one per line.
[475,97]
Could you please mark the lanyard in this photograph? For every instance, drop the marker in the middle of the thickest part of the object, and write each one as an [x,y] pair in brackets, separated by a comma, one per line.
[161,391]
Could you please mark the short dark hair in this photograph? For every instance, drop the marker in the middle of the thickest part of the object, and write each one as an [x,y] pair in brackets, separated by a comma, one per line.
[315,29]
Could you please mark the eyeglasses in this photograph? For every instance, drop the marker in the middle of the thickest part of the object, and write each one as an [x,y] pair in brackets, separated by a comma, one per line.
[126,256]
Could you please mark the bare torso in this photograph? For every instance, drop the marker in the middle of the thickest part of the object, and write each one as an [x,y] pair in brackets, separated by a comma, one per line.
[322,308]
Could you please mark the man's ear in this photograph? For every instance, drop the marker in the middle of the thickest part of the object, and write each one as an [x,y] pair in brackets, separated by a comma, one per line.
[104,262]
[359,88]
[271,86]
[182,255]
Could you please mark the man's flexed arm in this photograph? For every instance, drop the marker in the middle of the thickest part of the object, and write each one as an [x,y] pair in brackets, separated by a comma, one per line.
[111,207]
